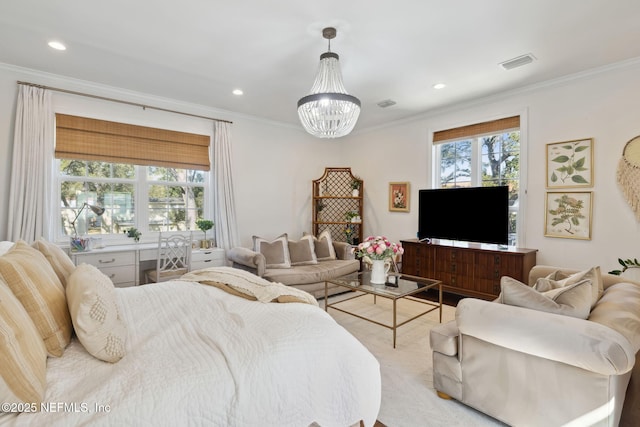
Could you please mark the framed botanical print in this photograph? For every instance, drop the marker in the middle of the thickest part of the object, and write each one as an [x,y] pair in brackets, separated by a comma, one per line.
[568,215]
[399,196]
[570,164]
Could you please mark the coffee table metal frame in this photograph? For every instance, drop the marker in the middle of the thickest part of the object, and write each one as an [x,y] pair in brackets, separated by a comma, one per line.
[360,282]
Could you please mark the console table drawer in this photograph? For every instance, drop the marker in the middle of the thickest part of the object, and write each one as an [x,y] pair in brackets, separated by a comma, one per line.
[107,259]
[120,275]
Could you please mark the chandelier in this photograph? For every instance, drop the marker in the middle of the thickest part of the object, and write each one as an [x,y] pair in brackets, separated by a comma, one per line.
[328,111]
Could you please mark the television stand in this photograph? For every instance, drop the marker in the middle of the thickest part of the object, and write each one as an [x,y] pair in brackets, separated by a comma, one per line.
[468,269]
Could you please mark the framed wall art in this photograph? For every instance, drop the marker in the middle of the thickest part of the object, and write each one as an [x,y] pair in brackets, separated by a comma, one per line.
[570,164]
[568,215]
[399,196]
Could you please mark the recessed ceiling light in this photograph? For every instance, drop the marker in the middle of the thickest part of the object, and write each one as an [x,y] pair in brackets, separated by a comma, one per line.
[439,86]
[57,45]
[386,103]
[238,92]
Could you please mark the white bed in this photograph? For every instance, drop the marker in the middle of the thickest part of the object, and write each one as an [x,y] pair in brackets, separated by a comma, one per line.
[196,355]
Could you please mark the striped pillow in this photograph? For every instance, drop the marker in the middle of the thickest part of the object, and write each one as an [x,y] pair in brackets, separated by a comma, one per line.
[35,284]
[23,354]
[59,260]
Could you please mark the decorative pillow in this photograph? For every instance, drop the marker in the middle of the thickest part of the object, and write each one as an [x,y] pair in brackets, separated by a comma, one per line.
[324,246]
[559,279]
[93,305]
[59,260]
[572,300]
[22,351]
[276,252]
[302,252]
[35,284]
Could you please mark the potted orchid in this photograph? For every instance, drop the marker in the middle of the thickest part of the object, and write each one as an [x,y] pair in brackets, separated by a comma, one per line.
[378,251]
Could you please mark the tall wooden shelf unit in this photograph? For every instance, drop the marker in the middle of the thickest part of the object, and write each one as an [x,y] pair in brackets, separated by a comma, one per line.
[333,200]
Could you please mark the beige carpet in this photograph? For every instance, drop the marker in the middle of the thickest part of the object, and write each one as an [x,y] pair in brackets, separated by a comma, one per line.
[408,397]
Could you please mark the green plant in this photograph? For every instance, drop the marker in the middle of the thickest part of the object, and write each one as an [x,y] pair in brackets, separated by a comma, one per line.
[204,225]
[350,215]
[356,182]
[626,263]
[133,232]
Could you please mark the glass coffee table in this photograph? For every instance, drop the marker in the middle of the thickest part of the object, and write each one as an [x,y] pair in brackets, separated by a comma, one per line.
[400,286]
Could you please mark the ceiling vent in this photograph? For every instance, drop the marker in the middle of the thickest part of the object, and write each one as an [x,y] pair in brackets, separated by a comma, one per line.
[386,103]
[518,61]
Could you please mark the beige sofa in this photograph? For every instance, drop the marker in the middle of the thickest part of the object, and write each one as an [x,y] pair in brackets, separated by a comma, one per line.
[310,278]
[535,368]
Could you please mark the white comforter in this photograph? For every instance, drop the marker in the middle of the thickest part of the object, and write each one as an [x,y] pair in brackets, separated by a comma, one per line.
[199,356]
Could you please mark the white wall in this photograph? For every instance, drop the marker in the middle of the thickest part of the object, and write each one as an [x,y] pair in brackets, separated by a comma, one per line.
[601,105]
[274,164]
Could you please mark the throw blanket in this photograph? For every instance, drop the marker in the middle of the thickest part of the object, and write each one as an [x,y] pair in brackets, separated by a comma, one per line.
[244,284]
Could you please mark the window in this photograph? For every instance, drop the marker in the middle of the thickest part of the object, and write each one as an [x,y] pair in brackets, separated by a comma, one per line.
[150,198]
[148,178]
[485,154]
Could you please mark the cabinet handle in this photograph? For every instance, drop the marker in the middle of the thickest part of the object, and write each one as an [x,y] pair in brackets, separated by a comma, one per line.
[107,262]
[112,275]
[497,259]
[496,274]
[207,260]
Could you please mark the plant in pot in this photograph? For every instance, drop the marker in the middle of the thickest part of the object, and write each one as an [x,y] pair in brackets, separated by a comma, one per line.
[205,225]
[133,232]
[356,183]
[630,269]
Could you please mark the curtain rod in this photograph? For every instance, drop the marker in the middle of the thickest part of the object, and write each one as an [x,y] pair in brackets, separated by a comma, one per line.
[135,104]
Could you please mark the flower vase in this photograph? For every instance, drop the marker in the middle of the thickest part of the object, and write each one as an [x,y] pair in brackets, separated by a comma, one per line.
[379,270]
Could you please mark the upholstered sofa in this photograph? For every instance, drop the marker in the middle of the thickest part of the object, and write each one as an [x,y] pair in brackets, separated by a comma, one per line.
[534,367]
[304,264]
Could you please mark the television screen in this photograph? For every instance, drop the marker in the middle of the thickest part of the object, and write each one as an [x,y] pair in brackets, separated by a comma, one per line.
[476,214]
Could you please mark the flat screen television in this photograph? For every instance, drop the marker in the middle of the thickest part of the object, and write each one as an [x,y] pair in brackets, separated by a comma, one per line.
[470,214]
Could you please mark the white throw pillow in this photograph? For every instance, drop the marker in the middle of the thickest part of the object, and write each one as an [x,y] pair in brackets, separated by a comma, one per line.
[559,279]
[93,306]
[572,300]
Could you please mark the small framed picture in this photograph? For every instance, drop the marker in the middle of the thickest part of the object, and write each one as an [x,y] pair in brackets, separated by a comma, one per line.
[399,196]
[570,164]
[568,215]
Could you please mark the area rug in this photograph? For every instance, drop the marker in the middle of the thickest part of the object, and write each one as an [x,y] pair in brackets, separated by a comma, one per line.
[408,397]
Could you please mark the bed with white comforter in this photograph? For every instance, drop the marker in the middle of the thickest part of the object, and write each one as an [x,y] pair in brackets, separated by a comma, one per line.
[196,355]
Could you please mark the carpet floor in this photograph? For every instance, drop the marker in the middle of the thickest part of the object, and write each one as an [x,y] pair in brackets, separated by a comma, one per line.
[408,397]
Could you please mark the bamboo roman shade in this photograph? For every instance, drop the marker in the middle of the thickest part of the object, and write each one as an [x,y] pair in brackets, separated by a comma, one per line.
[82,138]
[477,129]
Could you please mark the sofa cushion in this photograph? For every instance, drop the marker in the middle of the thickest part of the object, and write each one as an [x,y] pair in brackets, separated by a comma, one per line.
[618,309]
[302,252]
[324,246]
[572,300]
[305,274]
[276,252]
[560,278]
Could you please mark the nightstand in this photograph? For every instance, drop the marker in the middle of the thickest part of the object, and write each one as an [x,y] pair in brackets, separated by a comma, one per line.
[205,258]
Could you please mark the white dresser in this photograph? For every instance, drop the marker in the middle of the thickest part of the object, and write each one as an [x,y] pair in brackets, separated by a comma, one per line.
[205,258]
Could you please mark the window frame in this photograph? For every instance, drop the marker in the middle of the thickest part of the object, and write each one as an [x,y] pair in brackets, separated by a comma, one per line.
[476,171]
[141,184]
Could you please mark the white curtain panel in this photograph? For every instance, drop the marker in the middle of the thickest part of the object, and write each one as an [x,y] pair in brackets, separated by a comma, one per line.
[30,210]
[225,229]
